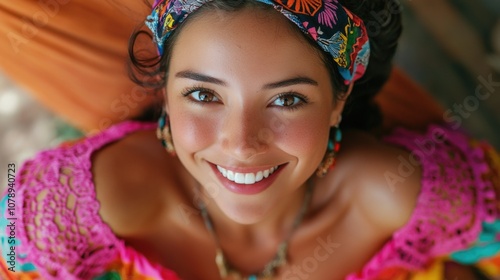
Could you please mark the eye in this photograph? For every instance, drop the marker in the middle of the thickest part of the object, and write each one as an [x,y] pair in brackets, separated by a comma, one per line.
[201,95]
[289,100]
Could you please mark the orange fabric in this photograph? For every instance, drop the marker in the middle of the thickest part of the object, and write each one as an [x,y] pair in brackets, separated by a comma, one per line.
[404,103]
[71,55]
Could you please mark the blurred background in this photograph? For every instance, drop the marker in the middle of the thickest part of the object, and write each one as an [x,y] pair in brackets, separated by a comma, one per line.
[450,47]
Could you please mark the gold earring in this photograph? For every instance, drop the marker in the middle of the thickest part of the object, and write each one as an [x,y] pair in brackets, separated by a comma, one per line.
[331,153]
[163,133]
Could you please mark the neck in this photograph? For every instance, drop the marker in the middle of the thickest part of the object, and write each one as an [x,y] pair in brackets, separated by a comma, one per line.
[275,225]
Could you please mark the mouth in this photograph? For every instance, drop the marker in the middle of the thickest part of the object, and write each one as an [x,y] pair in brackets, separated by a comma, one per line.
[246,180]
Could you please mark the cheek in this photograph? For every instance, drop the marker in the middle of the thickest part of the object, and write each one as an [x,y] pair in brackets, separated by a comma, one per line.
[307,136]
[192,132]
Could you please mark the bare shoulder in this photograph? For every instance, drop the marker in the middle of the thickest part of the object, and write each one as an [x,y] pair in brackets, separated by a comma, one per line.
[382,182]
[130,177]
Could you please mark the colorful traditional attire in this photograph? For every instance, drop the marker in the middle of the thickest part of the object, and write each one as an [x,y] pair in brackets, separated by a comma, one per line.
[52,225]
[60,235]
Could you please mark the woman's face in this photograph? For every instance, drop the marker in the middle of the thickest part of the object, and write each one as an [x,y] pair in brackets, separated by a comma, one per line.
[246,94]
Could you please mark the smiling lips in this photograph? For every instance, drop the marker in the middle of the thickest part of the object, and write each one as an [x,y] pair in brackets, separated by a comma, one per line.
[247,181]
[246,178]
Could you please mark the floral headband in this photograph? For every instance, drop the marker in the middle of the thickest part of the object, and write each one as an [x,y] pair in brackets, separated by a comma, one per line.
[336,30]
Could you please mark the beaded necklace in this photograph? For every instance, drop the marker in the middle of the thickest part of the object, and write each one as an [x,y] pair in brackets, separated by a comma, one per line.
[228,273]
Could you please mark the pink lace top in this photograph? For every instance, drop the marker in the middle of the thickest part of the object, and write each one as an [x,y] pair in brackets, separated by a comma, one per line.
[61,235]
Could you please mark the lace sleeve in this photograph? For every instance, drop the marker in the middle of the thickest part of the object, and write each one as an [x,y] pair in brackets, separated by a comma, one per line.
[59,232]
[456,197]
[59,226]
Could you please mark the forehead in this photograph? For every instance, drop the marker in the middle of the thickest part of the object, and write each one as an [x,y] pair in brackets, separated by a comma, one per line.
[246,41]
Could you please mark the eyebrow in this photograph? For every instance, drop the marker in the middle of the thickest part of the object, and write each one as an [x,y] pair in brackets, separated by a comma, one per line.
[200,77]
[208,79]
[292,82]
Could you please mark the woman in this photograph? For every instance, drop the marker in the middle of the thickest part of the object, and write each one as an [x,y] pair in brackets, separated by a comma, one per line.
[255,92]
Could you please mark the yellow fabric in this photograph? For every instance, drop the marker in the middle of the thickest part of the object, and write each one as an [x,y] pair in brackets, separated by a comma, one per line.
[434,272]
[490,266]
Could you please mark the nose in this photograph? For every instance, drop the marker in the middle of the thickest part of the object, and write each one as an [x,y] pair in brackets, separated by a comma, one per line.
[245,134]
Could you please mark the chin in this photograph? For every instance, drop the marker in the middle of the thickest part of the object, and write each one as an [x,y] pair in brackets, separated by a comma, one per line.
[245,213]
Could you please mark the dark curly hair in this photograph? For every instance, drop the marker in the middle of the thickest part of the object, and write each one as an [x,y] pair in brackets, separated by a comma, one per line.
[381,17]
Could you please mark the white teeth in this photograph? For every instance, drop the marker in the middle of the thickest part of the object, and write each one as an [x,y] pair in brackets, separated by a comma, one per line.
[239,178]
[246,178]
[249,178]
[222,170]
[259,176]
[230,175]
[266,173]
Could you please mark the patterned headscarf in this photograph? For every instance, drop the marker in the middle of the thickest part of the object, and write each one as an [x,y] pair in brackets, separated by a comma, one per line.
[336,30]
